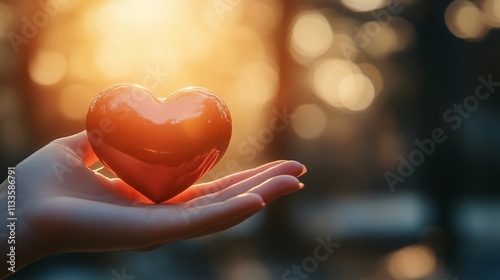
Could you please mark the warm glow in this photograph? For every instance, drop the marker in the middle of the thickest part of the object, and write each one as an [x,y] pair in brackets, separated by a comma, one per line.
[137,16]
[381,39]
[48,67]
[374,75]
[363,5]
[405,33]
[412,262]
[491,10]
[198,44]
[309,121]
[6,17]
[243,268]
[115,56]
[74,101]
[256,82]
[465,20]
[344,46]
[356,92]
[79,64]
[229,47]
[311,36]
[264,15]
[138,33]
[327,76]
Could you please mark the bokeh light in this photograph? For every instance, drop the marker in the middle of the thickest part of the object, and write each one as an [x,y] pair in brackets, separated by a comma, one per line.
[412,262]
[114,57]
[363,5]
[264,16]
[48,67]
[309,121]
[326,76]
[356,92]
[380,39]
[256,82]
[245,268]
[465,20]
[311,35]
[6,17]
[73,101]
[491,10]
[405,33]
[374,74]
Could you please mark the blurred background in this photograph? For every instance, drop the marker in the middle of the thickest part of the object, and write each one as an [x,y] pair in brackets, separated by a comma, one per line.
[351,88]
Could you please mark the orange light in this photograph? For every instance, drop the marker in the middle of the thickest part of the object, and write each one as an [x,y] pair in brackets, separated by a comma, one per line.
[363,5]
[311,36]
[465,20]
[74,101]
[382,41]
[256,82]
[356,92]
[412,262]
[326,77]
[309,121]
[6,17]
[373,73]
[491,10]
[48,67]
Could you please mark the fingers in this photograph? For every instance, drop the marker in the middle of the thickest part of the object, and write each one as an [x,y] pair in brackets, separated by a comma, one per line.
[188,222]
[80,145]
[207,188]
[276,187]
[201,218]
[220,184]
[240,176]
[291,168]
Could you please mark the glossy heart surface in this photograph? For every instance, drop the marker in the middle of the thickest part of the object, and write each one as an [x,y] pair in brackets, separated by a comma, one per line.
[159,146]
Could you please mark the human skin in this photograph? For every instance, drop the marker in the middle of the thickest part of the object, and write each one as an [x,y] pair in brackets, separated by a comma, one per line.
[84,211]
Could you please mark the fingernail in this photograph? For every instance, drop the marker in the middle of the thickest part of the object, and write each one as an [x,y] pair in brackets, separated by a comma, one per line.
[301,186]
[304,170]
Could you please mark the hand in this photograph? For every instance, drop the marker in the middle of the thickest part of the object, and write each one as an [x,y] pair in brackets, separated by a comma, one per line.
[62,205]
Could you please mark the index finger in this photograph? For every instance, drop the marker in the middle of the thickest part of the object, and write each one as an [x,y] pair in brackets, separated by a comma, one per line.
[222,183]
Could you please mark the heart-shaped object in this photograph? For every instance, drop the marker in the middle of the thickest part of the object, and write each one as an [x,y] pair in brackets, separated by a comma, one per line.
[159,146]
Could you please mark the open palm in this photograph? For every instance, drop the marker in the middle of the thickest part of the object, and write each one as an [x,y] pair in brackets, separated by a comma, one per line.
[64,206]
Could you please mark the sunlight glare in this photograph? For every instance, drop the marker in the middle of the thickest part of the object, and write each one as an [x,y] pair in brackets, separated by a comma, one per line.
[311,35]
[48,67]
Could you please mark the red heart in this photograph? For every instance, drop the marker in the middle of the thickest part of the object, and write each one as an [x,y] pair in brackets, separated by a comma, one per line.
[159,146]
